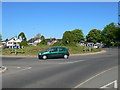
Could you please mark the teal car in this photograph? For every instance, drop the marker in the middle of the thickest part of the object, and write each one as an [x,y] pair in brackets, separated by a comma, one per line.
[54,52]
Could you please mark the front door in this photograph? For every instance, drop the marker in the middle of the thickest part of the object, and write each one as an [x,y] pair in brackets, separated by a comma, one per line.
[53,53]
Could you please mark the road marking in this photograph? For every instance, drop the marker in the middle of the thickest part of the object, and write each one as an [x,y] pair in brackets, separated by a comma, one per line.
[71,62]
[66,62]
[114,82]
[18,67]
[92,78]
[27,68]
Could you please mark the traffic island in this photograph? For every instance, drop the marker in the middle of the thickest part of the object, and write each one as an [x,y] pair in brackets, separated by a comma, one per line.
[3,69]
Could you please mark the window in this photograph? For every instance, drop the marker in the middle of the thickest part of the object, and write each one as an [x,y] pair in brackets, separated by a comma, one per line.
[53,49]
[9,42]
[14,42]
[61,49]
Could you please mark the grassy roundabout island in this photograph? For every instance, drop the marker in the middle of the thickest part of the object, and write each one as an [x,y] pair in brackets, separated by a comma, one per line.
[34,50]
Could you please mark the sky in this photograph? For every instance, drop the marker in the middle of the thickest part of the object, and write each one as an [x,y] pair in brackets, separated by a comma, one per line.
[52,19]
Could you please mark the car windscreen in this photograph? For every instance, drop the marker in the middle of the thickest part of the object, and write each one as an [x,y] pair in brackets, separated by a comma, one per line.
[52,49]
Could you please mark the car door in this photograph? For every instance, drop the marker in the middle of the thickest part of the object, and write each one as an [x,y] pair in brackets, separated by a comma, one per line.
[61,52]
[53,53]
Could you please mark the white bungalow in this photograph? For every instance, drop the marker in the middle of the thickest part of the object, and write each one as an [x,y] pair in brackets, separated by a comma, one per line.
[13,41]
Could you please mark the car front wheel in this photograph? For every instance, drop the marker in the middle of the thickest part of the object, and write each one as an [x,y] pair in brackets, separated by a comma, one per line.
[44,57]
[66,56]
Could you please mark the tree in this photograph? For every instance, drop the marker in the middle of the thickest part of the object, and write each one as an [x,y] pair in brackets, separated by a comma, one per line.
[58,44]
[42,38]
[43,42]
[24,39]
[69,38]
[94,36]
[0,37]
[117,34]
[38,36]
[24,43]
[22,35]
[6,40]
[78,34]
[110,34]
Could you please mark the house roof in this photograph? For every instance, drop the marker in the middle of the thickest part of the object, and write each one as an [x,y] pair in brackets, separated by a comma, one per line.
[59,40]
[33,39]
[53,39]
[14,39]
[48,40]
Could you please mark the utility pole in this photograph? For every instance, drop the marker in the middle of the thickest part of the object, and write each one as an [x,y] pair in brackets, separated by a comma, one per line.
[119,13]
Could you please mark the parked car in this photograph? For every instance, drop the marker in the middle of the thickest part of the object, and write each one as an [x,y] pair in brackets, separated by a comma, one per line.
[5,47]
[54,52]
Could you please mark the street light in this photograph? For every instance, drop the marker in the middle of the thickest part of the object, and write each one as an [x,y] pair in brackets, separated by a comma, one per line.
[119,13]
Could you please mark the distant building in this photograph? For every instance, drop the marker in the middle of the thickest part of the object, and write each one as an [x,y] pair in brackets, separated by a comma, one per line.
[34,41]
[51,41]
[13,41]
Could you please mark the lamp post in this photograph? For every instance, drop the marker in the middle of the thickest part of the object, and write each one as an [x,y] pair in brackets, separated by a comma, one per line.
[119,13]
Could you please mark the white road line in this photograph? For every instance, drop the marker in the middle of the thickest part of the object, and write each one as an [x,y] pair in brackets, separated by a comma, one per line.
[27,68]
[71,62]
[92,78]
[66,62]
[18,67]
[114,82]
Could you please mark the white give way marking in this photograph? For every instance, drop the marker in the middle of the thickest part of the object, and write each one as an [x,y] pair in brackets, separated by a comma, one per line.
[27,68]
[107,85]
[71,62]
[78,86]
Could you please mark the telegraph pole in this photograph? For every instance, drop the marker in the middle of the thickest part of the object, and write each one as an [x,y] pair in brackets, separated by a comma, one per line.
[119,13]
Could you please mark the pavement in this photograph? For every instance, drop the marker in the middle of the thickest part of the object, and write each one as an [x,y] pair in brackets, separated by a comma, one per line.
[82,71]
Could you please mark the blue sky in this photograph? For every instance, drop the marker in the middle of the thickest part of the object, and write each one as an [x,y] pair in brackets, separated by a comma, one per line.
[52,19]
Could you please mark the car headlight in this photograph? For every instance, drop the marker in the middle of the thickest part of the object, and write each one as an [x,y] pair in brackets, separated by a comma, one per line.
[40,54]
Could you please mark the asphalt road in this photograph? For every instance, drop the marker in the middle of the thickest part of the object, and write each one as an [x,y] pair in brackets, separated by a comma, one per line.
[84,71]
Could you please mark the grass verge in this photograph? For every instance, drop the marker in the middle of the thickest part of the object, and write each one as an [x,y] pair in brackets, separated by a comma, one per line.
[34,50]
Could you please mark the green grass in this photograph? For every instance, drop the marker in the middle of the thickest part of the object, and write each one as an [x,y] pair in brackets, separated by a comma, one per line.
[33,50]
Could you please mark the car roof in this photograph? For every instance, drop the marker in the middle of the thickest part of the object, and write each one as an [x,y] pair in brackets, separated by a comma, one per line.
[58,47]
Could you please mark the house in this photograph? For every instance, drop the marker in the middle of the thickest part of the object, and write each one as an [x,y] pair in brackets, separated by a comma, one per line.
[51,41]
[34,41]
[13,42]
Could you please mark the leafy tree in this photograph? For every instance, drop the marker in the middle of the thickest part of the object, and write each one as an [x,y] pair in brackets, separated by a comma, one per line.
[24,39]
[69,38]
[0,37]
[117,34]
[38,36]
[94,36]
[43,42]
[58,44]
[22,35]
[24,43]
[78,34]
[42,38]
[6,39]
[110,34]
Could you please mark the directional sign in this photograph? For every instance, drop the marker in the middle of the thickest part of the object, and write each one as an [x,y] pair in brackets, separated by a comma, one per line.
[114,83]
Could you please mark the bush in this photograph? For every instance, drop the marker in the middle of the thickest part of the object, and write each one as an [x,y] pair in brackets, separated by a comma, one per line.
[72,44]
[24,43]
[58,44]
[43,42]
